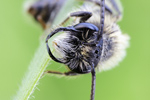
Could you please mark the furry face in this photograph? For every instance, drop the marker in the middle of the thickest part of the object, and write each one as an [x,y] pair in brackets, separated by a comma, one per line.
[78,50]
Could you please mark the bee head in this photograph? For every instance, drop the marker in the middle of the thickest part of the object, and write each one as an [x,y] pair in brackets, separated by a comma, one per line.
[72,52]
[76,48]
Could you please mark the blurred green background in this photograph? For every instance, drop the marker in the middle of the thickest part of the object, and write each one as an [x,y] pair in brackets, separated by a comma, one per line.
[19,39]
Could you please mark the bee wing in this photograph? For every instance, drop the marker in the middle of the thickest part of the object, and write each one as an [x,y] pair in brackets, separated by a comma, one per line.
[116,8]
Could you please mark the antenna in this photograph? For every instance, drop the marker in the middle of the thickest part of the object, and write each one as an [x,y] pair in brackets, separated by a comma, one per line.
[102,16]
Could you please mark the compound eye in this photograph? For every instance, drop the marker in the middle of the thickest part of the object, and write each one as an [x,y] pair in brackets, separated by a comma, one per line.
[82,26]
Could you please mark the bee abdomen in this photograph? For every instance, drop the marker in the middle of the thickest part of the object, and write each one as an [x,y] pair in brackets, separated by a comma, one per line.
[114,48]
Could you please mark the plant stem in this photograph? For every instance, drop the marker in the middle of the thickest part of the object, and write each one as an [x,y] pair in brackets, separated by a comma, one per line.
[40,60]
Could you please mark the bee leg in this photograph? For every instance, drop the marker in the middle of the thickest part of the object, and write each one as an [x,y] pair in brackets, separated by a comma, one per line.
[65,21]
[85,15]
[41,21]
[70,73]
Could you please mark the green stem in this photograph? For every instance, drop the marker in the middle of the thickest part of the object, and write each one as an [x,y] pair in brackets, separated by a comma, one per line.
[40,60]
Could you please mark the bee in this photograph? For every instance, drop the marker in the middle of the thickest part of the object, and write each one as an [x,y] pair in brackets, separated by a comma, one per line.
[45,11]
[92,42]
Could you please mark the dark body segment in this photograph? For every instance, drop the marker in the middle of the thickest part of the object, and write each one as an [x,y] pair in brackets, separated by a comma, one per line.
[45,11]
